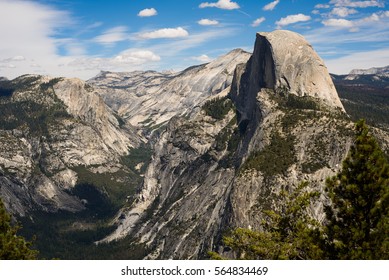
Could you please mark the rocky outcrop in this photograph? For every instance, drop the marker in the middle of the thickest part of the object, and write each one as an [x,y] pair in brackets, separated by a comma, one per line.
[79,136]
[148,100]
[288,62]
[54,133]
[83,103]
[217,171]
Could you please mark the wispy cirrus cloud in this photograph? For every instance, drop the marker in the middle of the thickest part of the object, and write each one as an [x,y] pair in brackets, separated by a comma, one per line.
[221,4]
[112,36]
[258,21]
[271,5]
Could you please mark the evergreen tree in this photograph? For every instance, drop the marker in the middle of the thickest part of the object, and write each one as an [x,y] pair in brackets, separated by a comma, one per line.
[289,233]
[12,247]
[358,219]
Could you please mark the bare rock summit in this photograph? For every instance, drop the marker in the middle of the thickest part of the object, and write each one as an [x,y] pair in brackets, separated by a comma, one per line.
[289,62]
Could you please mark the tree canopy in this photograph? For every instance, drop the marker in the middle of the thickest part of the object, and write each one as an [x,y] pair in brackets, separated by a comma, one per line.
[358,225]
[357,215]
[289,233]
[13,247]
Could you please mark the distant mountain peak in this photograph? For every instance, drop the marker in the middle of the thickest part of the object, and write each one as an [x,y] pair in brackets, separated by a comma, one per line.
[371,71]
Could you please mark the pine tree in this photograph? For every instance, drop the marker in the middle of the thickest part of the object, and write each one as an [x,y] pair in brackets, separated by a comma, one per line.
[12,247]
[289,233]
[358,219]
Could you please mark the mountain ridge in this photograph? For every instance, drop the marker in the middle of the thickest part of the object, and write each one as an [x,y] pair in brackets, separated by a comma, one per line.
[65,125]
[371,71]
[148,99]
[257,143]
[175,159]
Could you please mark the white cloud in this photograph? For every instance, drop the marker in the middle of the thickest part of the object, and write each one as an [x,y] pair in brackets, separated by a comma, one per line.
[343,11]
[74,48]
[148,13]
[202,58]
[292,19]
[372,17]
[165,33]
[271,5]
[29,44]
[28,29]
[18,58]
[327,37]
[170,50]
[357,4]
[136,57]
[94,25]
[353,26]
[128,60]
[15,58]
[342,23]
[113,35]
[221,4]
[258,21]
[208,22]
[322,6]
[333,43]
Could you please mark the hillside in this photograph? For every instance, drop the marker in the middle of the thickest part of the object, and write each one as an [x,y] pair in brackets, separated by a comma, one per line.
[365,96]
[222,168]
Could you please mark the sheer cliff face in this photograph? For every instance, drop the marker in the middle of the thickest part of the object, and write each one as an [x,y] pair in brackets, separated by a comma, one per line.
[214,172]
[298,68]
[53,132]
[286,63]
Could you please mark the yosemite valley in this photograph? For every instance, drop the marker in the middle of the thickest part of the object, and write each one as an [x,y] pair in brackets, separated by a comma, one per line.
[161,165]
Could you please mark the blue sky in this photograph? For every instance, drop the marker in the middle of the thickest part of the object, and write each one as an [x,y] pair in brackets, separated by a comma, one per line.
[76,38]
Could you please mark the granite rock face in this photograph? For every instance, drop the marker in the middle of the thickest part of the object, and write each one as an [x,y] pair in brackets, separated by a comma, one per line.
[148,100]
[78,136]
[284,124]
[51,131]
[289,62]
